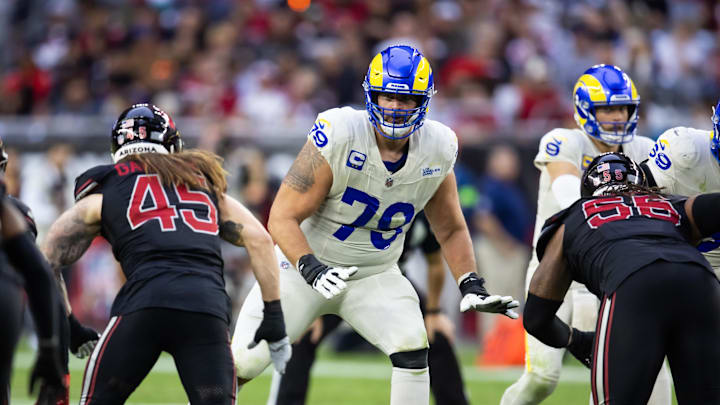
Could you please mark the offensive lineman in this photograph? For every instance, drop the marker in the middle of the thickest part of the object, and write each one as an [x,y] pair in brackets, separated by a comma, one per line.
[606,111]
[340,218]
[686,161]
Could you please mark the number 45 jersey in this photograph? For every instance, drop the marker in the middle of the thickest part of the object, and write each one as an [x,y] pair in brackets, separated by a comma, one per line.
[681,163]
[363,220]
[165,238]
[608,238]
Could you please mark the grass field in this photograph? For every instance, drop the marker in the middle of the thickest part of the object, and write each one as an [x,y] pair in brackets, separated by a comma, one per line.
[337,379]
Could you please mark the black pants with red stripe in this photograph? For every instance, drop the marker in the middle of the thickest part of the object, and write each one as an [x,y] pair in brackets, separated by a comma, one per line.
[664,309]
[11,305]
[131,344]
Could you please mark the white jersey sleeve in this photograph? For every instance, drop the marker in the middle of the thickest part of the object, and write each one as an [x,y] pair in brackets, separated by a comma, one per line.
[560,145]
[672,158]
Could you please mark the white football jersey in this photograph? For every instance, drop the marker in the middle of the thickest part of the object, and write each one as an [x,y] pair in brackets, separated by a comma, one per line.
[681,162]
[363,220]
[573,146]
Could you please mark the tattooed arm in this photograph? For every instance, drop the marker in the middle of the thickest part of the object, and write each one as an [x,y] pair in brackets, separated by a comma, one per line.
[303,190]
[240,227]
[70,236]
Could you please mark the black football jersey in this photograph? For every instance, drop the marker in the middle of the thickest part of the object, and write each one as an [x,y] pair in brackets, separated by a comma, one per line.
[165,237]
[419,235]
[6,270]
[608,238]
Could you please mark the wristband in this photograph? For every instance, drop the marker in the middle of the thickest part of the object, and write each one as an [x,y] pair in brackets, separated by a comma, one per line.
[433,311]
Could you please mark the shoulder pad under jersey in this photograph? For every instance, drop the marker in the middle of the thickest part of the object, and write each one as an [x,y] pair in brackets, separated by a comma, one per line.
[90,181]
[27,214]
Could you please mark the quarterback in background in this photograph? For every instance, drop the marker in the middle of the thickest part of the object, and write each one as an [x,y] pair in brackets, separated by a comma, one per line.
[606,105]
[340,218]
[686,161]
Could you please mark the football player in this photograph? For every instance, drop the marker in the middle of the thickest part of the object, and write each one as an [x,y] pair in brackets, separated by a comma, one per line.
[73,335]
[633,248]
[606,105]
[340,217]
[446,381]
[686,161]
[20,252]
[164,210]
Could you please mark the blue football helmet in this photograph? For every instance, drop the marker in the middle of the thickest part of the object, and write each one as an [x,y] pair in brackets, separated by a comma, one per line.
[604,85]
[715,139]
[398,69]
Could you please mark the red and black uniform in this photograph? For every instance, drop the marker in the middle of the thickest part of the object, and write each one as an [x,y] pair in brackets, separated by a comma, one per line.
[659,295]
[174,299]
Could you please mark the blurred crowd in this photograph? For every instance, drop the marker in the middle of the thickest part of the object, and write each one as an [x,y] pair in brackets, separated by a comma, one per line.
[504,72]
[502,67]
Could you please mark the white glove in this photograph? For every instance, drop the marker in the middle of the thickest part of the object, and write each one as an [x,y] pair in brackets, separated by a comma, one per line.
[475,296]
[491,303]
[332,282]
[85,349]
[328,281]
[280,353]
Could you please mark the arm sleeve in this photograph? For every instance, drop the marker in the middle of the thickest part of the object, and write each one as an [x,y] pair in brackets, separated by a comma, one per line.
[540,321]
[704,211]
[566,189]
[39,284]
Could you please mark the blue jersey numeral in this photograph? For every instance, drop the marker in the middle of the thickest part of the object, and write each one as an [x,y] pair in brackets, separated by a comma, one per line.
[351,195]
[710,243]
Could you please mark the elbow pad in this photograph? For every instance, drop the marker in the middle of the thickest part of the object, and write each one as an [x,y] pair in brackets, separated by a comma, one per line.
[566,189]
[704,211]
[540,321]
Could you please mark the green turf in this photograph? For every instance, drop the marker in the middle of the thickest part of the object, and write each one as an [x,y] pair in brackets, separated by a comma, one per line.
[338,379]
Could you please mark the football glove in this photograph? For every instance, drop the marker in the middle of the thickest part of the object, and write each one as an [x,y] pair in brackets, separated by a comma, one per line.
[475,296]
[272,330]
[581,346]
[82,338]
[328,281]
[48,372]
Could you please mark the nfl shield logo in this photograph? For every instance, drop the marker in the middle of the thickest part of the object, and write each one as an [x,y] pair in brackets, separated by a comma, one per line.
[389,182]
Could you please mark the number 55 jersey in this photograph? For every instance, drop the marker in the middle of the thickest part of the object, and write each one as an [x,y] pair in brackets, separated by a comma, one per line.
[608,238]
[363,220]
[165,238]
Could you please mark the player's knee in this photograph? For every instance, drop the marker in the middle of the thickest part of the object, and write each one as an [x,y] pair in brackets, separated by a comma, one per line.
[539,386]
[415,359]
[250,363]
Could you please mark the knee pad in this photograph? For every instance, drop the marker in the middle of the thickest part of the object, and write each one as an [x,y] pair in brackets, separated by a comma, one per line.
[415,359]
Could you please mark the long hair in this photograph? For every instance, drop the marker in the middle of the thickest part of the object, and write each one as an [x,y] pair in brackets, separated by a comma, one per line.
[635,189]
[193,167]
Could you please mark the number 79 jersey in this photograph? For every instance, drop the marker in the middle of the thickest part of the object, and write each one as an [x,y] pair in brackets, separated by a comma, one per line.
[364,217]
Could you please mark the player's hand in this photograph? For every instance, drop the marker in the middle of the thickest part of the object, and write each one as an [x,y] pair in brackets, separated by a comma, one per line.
[316,330]
[476,297]
[439,323]
[272,330]
[328,281]
[82,338]
[48,373]
[581,346]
